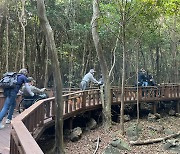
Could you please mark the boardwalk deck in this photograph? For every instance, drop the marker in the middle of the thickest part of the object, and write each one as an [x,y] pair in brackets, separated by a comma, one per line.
[28,123]
[5,137]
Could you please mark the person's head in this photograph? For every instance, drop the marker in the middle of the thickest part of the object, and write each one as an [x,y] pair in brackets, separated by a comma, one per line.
[23,71]
[31,80]
[143,70]
[92,71]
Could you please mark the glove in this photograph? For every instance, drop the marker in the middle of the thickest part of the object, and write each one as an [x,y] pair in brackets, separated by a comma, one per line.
[32,94]
[43,89]
[100,83]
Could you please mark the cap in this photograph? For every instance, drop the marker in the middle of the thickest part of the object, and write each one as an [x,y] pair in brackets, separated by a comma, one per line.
[92,71]
[23,71]
[31,79]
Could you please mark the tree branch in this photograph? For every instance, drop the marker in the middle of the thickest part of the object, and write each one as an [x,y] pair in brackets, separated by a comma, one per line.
[150,141]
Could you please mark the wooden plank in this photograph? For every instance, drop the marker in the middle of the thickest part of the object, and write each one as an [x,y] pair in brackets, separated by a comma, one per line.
[26,139]
[5,139]
[167,92]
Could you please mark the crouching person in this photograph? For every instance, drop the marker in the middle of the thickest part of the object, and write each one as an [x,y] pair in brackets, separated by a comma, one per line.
[38,93]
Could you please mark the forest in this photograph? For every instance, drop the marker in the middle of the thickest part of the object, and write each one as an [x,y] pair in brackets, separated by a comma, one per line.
[147,31]
[59,41]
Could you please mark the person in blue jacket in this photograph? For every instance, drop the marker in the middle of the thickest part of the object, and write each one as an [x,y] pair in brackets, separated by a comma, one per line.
[11,94]
[142,78]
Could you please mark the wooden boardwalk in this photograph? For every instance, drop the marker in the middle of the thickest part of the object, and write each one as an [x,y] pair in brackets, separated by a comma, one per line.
[31,121]
[5,136]
[5,139]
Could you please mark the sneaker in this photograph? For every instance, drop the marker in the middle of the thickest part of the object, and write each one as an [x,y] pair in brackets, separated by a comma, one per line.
[8,121]
[1,126]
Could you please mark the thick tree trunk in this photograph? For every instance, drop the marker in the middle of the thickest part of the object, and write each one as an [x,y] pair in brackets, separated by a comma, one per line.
[58,148]
[103,65]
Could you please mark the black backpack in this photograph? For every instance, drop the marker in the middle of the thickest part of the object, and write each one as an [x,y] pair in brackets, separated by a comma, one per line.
[9,80]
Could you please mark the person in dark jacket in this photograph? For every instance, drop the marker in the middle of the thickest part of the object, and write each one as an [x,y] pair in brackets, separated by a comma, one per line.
[151,81]
[11,94]
[142,78]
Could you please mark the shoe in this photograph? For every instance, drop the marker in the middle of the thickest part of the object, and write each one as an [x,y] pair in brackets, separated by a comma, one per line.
[8,121]
[1,126]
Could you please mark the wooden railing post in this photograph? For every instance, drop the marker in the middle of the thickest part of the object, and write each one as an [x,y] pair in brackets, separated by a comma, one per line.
[154,107]
[84,99]
[178,106]
[140,94]
[66,104]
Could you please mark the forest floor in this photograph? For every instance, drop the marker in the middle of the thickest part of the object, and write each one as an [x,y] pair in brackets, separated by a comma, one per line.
[88,142]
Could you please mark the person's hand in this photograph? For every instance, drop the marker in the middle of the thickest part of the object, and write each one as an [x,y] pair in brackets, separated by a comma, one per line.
[100,83]
[20,92]
[43,89]
[32,94]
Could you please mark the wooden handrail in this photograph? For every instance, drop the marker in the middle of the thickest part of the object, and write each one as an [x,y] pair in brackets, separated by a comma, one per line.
[35,117]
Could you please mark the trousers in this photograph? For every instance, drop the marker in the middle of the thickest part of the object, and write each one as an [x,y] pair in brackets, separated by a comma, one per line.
[9,105]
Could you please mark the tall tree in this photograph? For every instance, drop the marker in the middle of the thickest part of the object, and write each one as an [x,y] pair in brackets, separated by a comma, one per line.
[23,23]
[7,37]
[123,30]
[103,65]
[58,148]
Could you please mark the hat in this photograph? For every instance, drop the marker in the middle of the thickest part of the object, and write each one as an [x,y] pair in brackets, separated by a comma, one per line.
[23,71]
[92,71]
[30,79]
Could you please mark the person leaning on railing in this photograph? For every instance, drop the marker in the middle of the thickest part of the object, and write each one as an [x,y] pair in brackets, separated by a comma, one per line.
[11,94]
[89,77]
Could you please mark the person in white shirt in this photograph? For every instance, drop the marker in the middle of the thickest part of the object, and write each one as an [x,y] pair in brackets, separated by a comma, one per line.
[88,78]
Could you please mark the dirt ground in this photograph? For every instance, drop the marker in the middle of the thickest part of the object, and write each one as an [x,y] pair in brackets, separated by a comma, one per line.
[88,142]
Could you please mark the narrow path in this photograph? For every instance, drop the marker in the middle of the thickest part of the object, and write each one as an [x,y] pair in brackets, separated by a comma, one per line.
[5,137]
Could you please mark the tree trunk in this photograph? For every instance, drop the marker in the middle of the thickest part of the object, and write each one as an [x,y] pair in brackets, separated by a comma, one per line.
[46,70]
[137,70]
[123,70]
[7,40]
[58,148]
[2,21]
[23,25]
[103,65]
[157,64]
[174,50]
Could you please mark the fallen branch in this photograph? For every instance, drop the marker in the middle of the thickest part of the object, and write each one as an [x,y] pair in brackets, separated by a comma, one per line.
[97,146]
[150,141]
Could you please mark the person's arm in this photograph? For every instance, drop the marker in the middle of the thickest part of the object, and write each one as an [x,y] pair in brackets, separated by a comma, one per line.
[28,89]
[93,79]
[37,90]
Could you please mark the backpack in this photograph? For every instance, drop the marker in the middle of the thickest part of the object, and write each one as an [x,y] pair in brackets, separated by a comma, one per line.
[9,80]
